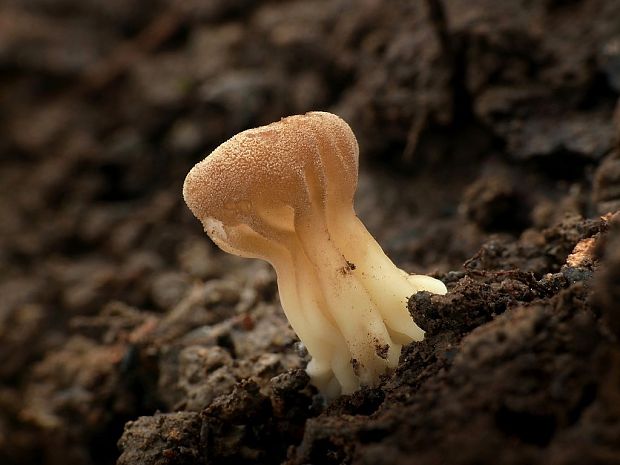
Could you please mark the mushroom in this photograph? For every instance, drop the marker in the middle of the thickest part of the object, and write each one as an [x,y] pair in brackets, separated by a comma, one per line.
[284,193]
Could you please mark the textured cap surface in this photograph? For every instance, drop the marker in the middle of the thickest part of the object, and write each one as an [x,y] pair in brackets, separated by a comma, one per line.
[269,167]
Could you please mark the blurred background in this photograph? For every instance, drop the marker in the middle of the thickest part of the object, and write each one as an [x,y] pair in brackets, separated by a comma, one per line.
[477,120]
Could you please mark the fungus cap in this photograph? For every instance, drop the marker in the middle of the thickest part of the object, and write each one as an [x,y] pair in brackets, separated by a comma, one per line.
[261,172]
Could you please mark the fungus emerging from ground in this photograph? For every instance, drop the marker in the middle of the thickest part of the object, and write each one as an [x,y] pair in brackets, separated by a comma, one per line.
[284,193]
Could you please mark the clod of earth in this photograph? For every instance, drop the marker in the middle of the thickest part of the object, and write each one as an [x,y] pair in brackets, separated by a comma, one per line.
[284,193]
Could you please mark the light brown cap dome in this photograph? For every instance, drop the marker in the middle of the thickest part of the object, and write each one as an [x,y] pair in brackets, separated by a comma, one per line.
[262,176]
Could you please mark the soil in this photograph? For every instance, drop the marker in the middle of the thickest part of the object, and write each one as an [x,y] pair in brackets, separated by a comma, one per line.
[490,159]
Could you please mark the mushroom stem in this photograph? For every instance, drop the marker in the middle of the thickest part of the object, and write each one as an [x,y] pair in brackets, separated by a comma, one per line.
[352,307]
[307,312]
[383,280]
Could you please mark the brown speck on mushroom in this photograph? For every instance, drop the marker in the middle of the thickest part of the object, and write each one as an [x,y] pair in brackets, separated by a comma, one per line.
[382,350]
[347,268]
